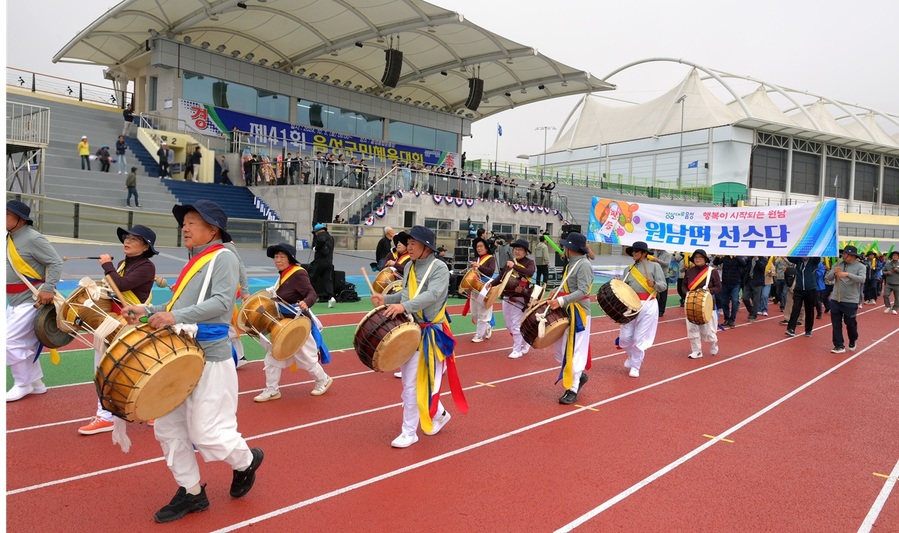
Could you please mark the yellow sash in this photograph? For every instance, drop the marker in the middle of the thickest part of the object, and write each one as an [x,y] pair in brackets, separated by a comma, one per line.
[200,262]
[289,271]
[130,297]
[576,312]
[426,373]
[641,279]
[18,263]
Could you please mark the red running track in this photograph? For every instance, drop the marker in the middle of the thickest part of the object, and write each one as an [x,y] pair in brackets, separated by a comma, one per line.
[809,435]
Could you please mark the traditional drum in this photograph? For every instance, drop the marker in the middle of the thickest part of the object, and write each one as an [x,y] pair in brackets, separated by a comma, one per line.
[262,315]
[384,344]
[699,306]
[89,308]
[46,328]
[471,281]
[555,324]
[619,301]
[496,290]
[146,373]
[387,281]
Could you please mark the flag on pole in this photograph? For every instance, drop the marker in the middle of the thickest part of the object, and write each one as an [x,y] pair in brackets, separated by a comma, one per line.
[694,164]
[835,178]
[499,129]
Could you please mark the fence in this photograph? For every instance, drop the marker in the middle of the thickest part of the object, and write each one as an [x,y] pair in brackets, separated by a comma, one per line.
[76,90]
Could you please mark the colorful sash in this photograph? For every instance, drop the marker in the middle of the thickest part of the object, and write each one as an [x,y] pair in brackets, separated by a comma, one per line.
[324,355]
[289,271]
[193,266]
[130,297]
[641,279]
[700,279]
[437,344]
[19,264]
[577,317]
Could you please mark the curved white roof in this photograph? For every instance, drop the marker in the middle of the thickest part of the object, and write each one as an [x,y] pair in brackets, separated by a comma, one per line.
[593,122]
[441,50]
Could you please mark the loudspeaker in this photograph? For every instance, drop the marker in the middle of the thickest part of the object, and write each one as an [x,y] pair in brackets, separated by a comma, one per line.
[568,228]
[323,208]
[393,67]
[338,278]
[475,92]
[220,94]
[315,116]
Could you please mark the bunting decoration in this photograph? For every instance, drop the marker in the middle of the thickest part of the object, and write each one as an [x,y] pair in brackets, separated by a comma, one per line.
[448,200]
[437,199]
[400,193]
[370,221]
[390,201]
[417,193]
[532,208]
[459,202]
[469,202]
[381,212]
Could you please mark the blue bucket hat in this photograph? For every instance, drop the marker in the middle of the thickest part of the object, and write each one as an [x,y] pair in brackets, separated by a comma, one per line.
[145,233]
[521,243]
[638,246]
[285,248]
[424,236]
[402,237]
[20,209]
[318,227]
[575,242]
[208,211]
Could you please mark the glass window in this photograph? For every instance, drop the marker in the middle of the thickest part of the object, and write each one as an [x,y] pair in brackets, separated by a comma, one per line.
[272,105]
[424,137]
[891,186]
[529,230]
[769,168]
[837,173]
[806,169]
[401,133]
[446,141]
[154,93]
[241,98]
[865,182]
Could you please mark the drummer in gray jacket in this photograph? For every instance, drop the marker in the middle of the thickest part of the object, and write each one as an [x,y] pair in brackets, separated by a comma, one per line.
[29,254]
[648,280]
[425,285]
[204,295]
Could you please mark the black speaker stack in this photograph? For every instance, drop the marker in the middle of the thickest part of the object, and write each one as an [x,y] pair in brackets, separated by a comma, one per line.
[393,67]
[475,93]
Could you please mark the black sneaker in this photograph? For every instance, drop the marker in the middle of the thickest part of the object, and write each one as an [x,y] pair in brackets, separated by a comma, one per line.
[838,349]
[852,345]
[582,381]
[790,333]
[568,398]
[809,334]
[183,504]
[243,479]
[784,322]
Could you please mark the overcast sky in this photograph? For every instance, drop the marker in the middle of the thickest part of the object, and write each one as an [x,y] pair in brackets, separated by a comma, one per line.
[845,51]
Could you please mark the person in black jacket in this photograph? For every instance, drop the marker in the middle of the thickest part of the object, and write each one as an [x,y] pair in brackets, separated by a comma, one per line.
[805,293]
[753,285]
[383,249]
[321,270]
[731,279]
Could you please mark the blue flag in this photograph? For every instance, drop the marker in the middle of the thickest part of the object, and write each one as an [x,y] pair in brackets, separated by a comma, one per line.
[694,164]
[499,130]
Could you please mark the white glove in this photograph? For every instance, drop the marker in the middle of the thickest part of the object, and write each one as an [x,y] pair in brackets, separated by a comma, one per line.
[271,290]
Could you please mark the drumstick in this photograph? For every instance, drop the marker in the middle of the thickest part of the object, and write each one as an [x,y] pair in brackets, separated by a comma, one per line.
[66,258]
[115,289]
[367,280]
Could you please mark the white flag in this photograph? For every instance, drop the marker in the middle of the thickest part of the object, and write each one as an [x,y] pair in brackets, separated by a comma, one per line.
[835,178]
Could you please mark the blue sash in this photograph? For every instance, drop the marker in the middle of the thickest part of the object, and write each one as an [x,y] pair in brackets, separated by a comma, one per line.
[323,354]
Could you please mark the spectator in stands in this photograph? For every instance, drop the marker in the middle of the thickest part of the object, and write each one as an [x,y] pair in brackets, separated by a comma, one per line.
[84,150]
[121,162]
[226,168]
[248,170]
[131,185]
[104,157]
[383,248]
[163,155]
[193,164]
[128,115]
[541,257]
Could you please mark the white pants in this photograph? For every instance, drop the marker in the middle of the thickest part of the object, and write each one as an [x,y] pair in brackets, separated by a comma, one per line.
[581,346]
[22,344]
[410,386]
[306,358]
[480,315]
[512,314]
[235,341]
[208,420]
[102,414]
[638,335]
[707,332]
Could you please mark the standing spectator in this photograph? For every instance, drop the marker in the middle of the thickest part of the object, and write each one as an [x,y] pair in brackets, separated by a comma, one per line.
[120,162]
[84,150]
[681,273]
[766,290]
[805,292]
[870,288]
[821,304]
[321,269]
[891,283]
[383,248]
[780,287]
[503,252]
[541,258]
[753,285]
[131,185]
[848,275]
[731,268]
[29,256]
[104,157]
[248,170]
[128,115]
[193,164]
[163,155]
[226,168]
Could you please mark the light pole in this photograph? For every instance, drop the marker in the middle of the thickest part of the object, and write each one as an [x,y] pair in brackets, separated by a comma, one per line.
[680,151]
[546,130]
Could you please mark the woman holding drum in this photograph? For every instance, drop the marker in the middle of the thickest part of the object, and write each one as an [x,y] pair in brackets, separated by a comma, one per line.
[294,289]
[702,283]
[647,279]
[485,267]
[134,278]
[424,295]
[517,294]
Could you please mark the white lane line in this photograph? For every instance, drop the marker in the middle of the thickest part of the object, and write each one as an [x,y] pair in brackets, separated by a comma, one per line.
[671,466]
[880,501]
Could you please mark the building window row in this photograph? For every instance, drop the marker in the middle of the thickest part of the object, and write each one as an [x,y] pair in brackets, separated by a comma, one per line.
[235,96]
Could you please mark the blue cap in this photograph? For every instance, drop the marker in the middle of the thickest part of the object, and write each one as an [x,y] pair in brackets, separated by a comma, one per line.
[208,211]
[20,209]
[145,233]
[318,227]
[575,242]
[424,236]
[285,248]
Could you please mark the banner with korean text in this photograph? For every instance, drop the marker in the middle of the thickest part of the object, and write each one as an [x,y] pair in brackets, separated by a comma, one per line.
[805,230]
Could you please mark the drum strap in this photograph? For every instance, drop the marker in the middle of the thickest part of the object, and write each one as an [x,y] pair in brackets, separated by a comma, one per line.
[641,279]
[18,264]
[702,277]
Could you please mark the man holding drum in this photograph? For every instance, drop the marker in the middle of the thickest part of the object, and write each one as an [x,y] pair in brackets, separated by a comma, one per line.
[702,277]
[29,256]
[204,295]
[134,278]
[573,349]
[517,294]
[647,279]
[424,294]
[294,289]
